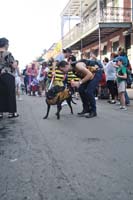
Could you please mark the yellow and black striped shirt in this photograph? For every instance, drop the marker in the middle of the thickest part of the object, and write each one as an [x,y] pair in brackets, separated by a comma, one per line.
[58,76]
[71,76]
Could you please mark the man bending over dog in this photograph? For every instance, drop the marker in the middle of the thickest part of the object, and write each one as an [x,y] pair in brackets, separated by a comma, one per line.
[90,73]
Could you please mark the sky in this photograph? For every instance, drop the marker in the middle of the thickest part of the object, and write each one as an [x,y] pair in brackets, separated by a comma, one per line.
[31,26]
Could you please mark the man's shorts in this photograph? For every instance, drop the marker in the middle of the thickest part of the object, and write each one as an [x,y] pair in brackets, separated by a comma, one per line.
[121,87]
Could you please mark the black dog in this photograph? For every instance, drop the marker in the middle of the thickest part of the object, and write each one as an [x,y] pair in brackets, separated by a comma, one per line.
[55,96]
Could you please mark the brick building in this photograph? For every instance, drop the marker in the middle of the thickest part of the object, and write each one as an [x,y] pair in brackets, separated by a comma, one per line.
[104,25]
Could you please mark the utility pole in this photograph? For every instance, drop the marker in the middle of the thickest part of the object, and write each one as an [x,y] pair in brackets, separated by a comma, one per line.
[62,30]
[81,25]
[99,31]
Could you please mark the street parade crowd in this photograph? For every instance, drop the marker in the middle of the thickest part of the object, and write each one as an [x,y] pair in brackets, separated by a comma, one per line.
[89,79]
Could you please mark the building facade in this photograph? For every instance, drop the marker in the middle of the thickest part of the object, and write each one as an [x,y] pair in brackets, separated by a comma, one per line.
[104,25]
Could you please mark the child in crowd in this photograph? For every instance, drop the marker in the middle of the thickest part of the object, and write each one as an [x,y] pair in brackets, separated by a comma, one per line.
[17,80]
[34,86]
[121,81]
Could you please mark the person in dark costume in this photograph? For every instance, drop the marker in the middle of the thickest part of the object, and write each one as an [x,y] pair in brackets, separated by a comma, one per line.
[7,81]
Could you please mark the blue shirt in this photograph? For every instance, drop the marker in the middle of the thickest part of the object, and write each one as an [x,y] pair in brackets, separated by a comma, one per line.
[60,57]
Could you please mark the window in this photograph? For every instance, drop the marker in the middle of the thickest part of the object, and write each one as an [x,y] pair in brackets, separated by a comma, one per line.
[128,41]
[105,3]
[115,46]
[96,52]
[105,50]
[115,3]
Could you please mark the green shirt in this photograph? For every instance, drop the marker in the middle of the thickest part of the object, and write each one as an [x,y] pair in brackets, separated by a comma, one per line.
[121,71]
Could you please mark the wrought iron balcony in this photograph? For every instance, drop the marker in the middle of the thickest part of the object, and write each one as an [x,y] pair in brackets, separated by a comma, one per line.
[107,15]
[116,14]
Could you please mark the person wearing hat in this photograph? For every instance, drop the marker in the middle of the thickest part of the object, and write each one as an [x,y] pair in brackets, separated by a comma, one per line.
[65,55]
[121,52]
[121,80]
[87,84]
[7,81]
[69,55]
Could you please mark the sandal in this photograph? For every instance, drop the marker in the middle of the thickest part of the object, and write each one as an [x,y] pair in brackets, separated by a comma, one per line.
[1,115]
[12,115]
[15,115]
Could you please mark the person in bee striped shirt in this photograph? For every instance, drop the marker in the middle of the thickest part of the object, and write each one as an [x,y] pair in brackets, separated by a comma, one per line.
[57,74]
[72,77]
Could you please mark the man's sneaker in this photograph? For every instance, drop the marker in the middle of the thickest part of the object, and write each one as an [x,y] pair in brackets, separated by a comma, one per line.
[113,102]
[82,113]
[91,115]
[123,108]
[117,103]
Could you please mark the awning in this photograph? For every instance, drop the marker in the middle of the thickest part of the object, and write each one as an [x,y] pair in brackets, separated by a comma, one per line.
[73,8]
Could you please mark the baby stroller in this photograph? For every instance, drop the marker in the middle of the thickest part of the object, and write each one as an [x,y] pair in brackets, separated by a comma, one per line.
[33,87]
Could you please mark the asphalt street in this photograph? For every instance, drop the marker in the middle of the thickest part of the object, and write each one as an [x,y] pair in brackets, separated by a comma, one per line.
[73,158]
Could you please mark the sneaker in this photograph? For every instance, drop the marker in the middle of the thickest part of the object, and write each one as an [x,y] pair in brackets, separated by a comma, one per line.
[1,115]
[117,103]
[113,102]
[13,115]
[91,115]
[82,113]
[64,103]
[123,108]
[19,99]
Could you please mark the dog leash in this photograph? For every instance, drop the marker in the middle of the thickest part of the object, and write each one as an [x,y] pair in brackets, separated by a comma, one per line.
[53,76]
[51,83]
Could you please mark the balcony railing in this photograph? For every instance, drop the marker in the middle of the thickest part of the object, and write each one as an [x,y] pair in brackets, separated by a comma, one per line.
[107,15]
[116,14]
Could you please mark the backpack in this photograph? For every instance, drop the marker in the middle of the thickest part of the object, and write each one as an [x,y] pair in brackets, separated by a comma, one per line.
[6,61]
[129,73]
[129,79]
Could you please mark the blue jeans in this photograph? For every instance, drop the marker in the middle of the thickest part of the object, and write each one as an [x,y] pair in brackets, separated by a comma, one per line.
[127,100]
[87,92]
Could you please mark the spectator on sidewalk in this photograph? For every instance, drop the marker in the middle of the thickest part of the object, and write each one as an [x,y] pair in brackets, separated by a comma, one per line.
[7,81]
[110,71]
[122,52]
[42,77]
[26,79]
[121,81]
[17,80]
